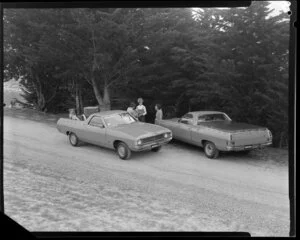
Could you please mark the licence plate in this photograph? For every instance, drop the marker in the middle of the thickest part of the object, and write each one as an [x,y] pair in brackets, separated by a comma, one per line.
[248,147]
[154,146]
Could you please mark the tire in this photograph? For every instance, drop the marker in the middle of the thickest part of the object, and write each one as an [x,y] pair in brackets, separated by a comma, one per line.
[156,149]
[210,150]
[73,139]
[123,151]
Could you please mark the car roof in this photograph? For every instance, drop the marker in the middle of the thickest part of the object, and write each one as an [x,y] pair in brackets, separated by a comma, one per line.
[204,112]
[107,113]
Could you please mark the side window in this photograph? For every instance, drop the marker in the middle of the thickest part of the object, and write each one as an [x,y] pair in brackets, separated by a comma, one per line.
[184,121]
[96,122]
[187,119]
[188,115]
[204,118]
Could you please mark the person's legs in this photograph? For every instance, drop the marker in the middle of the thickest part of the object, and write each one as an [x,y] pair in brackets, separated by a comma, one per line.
[142,118]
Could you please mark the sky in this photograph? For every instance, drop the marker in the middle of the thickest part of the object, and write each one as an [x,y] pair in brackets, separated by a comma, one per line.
[279,6]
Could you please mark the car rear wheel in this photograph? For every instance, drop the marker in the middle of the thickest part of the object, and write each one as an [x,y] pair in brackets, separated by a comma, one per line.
[156,149]
[247,151]
[123,151]
[210,150]
[73,139]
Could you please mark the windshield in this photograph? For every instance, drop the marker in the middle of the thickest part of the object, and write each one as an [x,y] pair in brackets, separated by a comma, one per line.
[212,117]
[118,119]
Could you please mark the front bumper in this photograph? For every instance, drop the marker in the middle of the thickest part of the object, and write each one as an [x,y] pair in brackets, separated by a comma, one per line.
[247,147]
[151,145]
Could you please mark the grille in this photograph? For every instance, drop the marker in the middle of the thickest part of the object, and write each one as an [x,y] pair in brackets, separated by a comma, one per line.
[153,138]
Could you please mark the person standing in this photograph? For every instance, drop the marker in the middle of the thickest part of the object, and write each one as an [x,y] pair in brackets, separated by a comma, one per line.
[72,114]
[159,113]
[131,110]
[141,109]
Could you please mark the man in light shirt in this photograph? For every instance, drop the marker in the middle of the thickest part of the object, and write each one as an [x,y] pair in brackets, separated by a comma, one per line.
[141,109]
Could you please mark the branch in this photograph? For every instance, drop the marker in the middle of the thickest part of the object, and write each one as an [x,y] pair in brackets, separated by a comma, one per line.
[95,65]
[112,82]
[110,15]
[87,79]
[121,70]
[116,11]
[53,95]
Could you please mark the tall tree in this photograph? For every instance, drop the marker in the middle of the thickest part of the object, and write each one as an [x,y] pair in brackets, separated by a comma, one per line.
[28,37]
[251,66]
[99,40]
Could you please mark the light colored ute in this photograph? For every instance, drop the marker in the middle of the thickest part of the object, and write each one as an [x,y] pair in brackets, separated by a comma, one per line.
[215,131]
[115,130]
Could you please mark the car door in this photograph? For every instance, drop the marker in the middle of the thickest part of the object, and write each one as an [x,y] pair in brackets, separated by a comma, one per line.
[183,129]
[95,132]
[198,134]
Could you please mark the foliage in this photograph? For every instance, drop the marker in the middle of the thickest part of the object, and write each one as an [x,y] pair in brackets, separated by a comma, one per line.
[232,60]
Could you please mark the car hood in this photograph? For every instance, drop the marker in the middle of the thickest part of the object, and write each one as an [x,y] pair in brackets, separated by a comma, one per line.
[139,129]
[231,126]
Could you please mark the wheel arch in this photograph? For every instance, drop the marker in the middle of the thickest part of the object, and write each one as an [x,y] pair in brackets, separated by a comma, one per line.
[116,142]
[204,141]
[216,143]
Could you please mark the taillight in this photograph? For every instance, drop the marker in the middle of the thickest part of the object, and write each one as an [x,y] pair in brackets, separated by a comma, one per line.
[270,135]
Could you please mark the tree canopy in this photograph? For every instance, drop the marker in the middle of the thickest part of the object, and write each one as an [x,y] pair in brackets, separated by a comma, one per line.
[232,60]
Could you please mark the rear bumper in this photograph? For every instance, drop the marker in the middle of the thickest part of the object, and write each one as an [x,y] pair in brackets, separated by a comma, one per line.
[247,147]
[151,145]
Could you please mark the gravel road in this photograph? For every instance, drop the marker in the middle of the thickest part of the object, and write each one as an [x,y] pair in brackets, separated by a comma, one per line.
[51,186]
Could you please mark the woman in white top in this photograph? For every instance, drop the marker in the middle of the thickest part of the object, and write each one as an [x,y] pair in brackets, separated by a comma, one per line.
[141,109]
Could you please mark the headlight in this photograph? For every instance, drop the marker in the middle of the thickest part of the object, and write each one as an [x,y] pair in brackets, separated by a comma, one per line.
[139,142]
[167,135]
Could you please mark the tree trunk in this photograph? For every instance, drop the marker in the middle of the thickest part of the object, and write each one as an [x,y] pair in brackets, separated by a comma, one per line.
[282,140]
[78,99]
[38,89]
[93,70]
[106,98]
[96,91]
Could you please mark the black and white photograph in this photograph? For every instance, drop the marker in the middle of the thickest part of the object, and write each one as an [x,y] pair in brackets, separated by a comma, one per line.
[147,119]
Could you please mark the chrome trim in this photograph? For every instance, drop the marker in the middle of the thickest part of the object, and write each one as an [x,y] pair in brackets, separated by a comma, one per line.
[153,139]
[244,147]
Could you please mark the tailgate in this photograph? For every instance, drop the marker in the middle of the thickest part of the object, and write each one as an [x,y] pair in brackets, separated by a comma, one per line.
[65,124]
[250,137]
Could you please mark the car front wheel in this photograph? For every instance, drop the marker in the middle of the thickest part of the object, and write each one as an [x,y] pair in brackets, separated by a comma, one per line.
[210,150]
[73,139]
[123,151]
